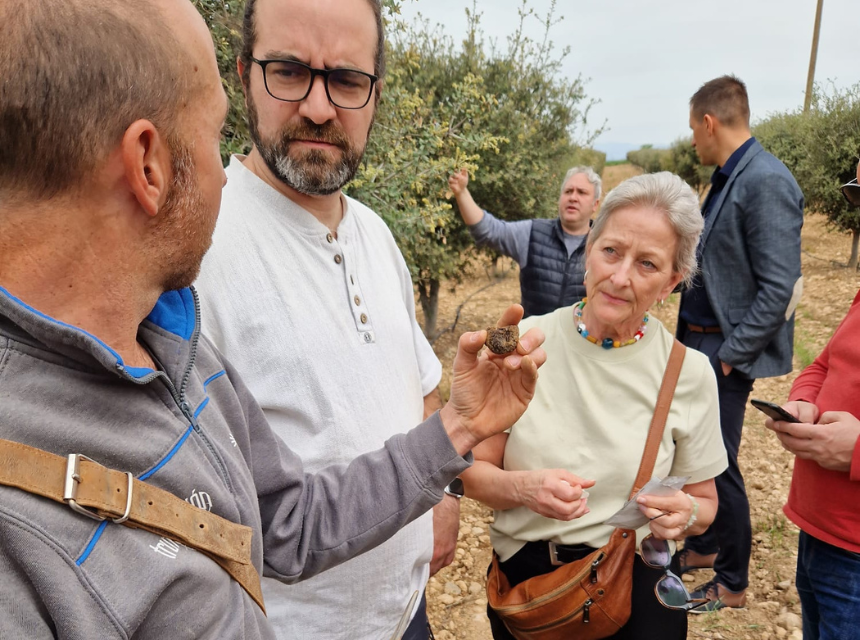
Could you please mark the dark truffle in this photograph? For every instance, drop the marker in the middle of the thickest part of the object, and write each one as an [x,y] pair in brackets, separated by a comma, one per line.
[502,340]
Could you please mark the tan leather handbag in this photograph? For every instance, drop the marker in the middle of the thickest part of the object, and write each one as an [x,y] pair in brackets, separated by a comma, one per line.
[589,598]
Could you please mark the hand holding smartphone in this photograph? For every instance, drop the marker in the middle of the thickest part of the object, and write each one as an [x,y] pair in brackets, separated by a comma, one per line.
[773,410]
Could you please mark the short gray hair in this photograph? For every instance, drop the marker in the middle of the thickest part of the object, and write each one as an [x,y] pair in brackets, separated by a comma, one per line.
[665,192]
[589,173]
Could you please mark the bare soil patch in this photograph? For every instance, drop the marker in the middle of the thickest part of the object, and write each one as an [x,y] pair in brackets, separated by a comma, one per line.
[456,597]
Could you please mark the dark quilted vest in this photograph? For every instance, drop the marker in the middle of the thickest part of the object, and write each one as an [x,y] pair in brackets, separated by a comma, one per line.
[550,279]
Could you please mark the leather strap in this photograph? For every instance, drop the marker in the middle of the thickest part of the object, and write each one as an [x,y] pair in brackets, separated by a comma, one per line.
[103,493]
[695,328]
[661,413]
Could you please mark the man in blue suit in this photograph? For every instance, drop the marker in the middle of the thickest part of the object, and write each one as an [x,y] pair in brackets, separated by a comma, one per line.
[740,309]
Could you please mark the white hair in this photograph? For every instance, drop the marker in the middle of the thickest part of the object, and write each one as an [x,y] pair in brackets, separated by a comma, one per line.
[665,192]
[590,175]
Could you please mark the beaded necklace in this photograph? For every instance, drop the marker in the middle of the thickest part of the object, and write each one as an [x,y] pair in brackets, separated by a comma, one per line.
[606,343]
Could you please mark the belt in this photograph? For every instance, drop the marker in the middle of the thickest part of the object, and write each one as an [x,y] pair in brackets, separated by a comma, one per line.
[560,554]
[97,492]
[695,328]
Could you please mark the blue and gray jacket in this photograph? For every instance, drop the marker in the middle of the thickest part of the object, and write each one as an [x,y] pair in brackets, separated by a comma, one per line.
[193,429]
[552,263]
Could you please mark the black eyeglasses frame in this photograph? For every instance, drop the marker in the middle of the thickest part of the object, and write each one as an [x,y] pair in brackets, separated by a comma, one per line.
[325,73]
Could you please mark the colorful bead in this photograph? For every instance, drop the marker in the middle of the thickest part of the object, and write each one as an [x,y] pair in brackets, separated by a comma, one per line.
[606,343]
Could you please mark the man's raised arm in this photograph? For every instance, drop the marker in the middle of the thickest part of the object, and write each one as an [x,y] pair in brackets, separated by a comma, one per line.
[471,213]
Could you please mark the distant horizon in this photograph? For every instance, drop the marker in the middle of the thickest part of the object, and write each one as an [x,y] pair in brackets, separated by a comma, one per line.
[618,150]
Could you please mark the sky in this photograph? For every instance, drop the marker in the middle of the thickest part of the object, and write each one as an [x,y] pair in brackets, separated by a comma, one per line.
[643,59]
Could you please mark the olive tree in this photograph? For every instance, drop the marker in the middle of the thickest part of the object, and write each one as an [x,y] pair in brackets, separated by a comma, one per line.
[504,112]
[832,136]
[541,114]
[683,160]
[224,19]
[417,142]
[821,147]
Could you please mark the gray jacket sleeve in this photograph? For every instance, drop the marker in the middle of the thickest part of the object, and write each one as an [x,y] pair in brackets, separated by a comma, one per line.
[312,522]
[773,216]
[509,238]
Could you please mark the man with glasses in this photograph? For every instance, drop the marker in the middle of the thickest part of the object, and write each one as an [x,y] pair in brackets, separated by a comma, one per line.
[306,292]
[825,487]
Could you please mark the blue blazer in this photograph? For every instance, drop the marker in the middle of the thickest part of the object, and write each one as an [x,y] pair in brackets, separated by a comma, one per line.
[751,264]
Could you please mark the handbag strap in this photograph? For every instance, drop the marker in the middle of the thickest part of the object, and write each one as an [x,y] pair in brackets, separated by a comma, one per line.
[661,413]
[98,492]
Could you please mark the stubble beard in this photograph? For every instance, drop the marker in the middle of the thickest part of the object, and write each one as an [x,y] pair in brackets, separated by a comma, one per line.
[182,225]
[312,172]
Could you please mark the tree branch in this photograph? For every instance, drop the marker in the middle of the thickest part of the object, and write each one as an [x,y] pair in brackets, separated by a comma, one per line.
[450,328]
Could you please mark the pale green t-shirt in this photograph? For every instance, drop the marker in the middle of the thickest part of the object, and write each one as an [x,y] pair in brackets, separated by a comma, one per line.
[590,415]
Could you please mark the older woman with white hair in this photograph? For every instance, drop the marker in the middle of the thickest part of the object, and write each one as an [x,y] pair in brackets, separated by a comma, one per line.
[587,425]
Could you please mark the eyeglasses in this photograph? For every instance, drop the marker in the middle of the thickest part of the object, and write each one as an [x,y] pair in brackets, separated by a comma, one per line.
[851,191]
[291,81]
[670,590]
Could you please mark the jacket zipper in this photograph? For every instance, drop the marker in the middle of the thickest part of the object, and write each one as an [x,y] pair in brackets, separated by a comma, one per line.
[566,272]
[564,279]
[184,406]
[179,396]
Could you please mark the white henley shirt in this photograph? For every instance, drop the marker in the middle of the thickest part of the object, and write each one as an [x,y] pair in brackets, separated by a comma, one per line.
[323,331]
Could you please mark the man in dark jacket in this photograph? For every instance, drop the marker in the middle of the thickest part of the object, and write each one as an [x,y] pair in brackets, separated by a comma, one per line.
[177,495]
[740,309]
[551,253]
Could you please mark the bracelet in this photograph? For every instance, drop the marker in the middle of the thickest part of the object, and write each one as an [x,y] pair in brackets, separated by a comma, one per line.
[693,515]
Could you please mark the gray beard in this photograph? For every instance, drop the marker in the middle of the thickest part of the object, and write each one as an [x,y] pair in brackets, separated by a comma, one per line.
[310,177]
[314,174]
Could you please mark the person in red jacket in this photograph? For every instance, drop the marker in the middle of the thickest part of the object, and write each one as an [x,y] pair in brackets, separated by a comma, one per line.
[824,499]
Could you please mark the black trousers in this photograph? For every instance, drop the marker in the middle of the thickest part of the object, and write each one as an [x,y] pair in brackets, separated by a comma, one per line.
[730,535]
[649,620]
[419,627]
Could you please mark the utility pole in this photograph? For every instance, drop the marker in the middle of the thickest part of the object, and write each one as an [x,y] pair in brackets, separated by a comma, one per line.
[810,78]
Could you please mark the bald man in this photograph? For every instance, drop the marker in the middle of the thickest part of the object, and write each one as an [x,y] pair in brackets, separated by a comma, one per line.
[142,491]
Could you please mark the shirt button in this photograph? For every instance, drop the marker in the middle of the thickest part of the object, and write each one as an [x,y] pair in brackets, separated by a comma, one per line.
[363,318]
[338,259]
[329,237]
[367,337]
[357,301]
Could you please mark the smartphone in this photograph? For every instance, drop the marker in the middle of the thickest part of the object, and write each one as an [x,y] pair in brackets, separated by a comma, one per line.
[773,410]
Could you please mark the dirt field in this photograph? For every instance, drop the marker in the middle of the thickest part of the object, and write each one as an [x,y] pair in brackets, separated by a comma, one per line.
[456,597]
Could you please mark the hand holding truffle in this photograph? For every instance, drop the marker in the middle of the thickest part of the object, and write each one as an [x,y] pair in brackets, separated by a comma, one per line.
[490,391]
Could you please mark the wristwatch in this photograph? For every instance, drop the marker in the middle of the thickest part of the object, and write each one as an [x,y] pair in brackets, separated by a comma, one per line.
[455,488]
